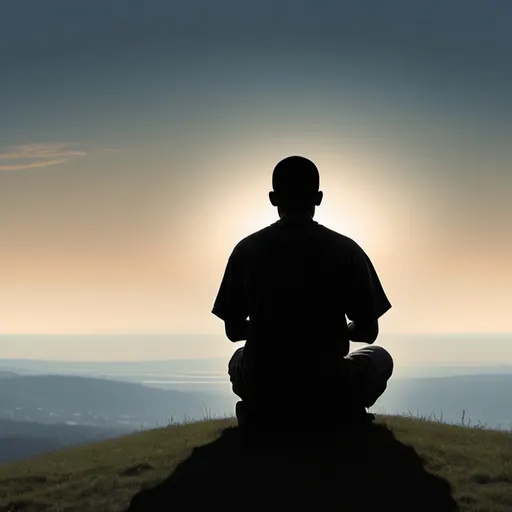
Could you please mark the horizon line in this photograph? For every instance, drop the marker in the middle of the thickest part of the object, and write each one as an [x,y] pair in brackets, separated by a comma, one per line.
[437,333]
[94,361]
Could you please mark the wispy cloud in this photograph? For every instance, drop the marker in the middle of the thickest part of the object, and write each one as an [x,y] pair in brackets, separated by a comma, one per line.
[31,165]
[38,155]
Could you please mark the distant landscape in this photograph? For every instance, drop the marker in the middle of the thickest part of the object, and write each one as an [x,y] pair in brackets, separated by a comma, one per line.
[44,413]
[25,439]
[46,405]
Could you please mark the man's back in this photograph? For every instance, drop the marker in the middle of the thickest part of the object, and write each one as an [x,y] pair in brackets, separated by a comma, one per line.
[296,280]
[287,291]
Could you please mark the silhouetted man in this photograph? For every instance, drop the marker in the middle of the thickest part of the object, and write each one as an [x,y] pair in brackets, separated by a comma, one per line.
[287,291]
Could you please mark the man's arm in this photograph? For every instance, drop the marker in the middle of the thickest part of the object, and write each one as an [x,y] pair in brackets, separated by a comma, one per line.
[231,301]
[367,299]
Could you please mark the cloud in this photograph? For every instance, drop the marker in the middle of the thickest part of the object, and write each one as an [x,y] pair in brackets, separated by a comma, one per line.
[50,150]
[44,154]
[31,165]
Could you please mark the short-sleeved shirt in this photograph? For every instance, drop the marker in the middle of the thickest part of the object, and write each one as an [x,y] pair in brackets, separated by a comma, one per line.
[297,281]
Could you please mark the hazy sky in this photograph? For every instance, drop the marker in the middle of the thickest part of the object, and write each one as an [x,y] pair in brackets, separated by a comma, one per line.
[137,141]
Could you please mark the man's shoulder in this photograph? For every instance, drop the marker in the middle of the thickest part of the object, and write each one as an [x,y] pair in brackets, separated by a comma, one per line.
[265,235]
[342,241]
[253,239]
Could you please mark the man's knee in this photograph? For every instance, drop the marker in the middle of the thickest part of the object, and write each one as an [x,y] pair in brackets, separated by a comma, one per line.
[383,360]
[383,367]
[377,357]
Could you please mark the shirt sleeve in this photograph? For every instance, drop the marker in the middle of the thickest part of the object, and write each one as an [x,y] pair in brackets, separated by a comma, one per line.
[231,300]
[366,297]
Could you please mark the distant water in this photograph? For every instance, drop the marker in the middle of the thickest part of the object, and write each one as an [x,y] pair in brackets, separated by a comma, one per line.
[183,375]
[418,349]
[414,355]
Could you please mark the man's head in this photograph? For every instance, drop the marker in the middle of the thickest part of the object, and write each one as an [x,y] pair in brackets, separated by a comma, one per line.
[295,181]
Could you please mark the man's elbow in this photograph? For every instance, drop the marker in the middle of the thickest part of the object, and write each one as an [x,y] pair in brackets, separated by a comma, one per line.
[370,338]
[367,332]
[230,333]
[231,337]
[372,334]
[235,331]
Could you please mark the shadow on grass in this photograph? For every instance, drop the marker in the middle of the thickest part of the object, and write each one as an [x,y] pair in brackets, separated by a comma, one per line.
[357,471]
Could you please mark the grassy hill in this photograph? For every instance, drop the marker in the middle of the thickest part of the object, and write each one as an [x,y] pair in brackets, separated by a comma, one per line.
[397,464]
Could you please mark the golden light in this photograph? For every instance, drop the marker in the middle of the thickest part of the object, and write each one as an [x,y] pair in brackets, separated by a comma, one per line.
[249,210]
[233,203]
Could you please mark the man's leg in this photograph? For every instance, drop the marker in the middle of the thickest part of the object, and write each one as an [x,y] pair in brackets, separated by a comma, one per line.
[241,386]
[369,370]
[257,398]
[238,376]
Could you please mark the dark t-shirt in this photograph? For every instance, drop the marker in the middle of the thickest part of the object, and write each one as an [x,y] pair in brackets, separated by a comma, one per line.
[295,280]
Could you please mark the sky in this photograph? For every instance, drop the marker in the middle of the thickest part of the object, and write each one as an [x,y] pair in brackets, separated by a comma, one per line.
[138,138]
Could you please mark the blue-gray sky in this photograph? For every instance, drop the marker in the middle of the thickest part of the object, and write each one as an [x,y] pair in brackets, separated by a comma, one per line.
[137,141]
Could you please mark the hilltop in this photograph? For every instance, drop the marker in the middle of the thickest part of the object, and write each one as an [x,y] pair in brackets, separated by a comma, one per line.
[210,464]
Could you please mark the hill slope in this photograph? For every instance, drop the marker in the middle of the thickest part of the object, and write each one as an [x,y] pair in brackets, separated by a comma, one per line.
[188,467]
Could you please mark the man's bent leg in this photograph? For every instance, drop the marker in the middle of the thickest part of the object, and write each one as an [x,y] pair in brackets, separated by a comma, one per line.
[369,370]
[237,375]
[243,385]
